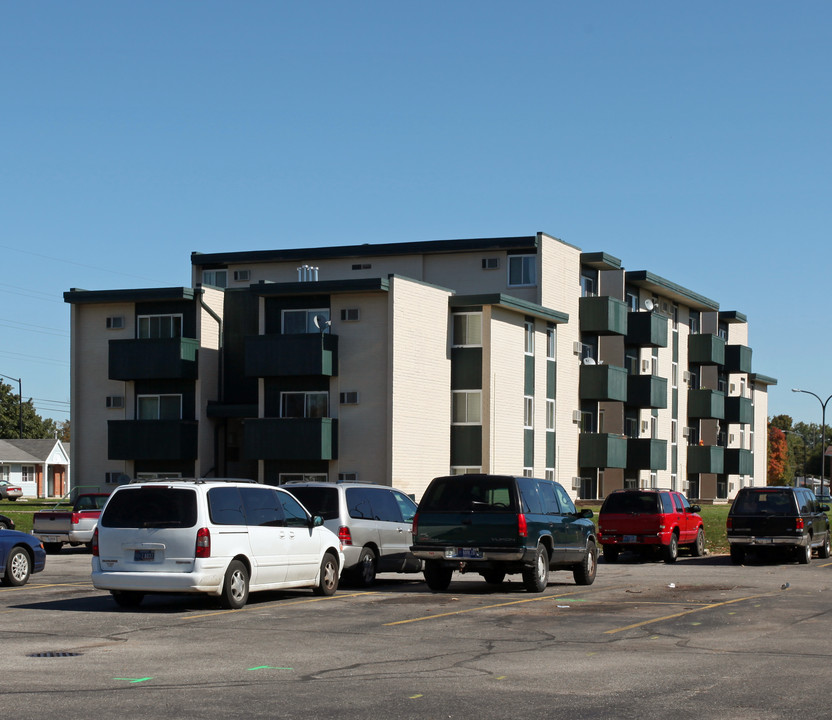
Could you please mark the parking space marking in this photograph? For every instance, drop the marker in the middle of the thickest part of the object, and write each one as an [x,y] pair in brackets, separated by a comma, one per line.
[709,606]
[39,586]
[282,605]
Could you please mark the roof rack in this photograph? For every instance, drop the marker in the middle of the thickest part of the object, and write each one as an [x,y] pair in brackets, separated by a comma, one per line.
[198,481]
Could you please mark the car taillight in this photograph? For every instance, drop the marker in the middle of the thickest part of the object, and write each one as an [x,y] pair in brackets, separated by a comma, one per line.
[415,525]
[94,544]
[798,523]
[75,518]
[729,523]
[522,526]
[203,543]
[344,535]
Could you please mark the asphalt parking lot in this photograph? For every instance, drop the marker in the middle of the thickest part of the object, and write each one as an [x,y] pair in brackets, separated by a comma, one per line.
[698,639]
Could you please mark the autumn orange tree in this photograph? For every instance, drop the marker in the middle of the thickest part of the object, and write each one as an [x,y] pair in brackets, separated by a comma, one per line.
[778,451]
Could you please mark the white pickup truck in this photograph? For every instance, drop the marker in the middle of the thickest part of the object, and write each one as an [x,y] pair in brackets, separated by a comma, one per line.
[76,526]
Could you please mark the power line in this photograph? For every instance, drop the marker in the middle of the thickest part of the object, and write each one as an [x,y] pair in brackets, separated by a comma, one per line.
[27,327]
[32,358]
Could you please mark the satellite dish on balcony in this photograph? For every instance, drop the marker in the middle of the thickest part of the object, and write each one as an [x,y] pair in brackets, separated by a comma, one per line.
[322,322]
[649,305]
[589,361]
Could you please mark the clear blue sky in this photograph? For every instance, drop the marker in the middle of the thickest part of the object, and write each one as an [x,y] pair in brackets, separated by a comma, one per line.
[692,140]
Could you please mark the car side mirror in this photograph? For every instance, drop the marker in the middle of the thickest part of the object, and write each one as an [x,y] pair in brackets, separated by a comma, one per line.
[695,509]
[317,521]
[585,513]
[824,508]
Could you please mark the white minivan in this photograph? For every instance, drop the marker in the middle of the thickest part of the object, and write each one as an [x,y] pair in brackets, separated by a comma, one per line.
[219,537]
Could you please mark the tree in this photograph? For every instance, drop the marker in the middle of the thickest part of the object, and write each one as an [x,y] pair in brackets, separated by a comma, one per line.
[777,455]
[11,412]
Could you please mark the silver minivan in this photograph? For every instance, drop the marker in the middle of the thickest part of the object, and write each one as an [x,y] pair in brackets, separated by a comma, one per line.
[373,523]
[224,538]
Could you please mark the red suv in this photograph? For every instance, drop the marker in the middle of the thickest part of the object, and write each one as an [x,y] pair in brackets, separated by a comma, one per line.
[646,519]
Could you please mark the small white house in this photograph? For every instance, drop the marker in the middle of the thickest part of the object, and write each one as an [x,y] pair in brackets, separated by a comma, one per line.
[40,467]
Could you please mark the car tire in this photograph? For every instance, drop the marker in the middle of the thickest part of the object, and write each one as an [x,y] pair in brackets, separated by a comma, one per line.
[494,577]
[437,577]
[697,549]
[235,586]
[536,577]
[328,579]
[671,550]
[824,551]
[610,553]
[737,555]
[127,598]
[18,567]
[364,572]
[52,548]
[584,572]
[3,525]
[804,553]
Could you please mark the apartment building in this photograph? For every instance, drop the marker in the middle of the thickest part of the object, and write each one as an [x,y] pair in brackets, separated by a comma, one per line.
[395,363]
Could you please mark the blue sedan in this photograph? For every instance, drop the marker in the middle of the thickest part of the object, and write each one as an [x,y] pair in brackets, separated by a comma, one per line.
[21,555]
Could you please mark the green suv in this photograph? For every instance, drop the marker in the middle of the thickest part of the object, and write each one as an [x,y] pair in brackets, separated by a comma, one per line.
[498,525]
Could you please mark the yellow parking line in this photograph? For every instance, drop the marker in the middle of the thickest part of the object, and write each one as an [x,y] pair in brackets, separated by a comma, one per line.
[709,606]
[282,605]
[38,586]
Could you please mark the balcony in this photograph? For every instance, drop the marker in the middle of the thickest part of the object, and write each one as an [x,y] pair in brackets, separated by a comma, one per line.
[646,454]
[646,329]
[708,459]
[602,450]
[739,461]
[706,349]
[152,439]
[153,359]
[291,439]
[737,359]
[706,404]
[647,391]
[290,355]
[739,410]
[602,315]
[603,382]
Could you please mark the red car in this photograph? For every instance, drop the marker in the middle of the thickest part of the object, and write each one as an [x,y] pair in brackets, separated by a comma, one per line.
[644,520]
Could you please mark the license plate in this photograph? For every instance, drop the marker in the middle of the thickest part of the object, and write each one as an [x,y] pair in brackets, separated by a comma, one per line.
[463,552]
[49,538]
[763,541]
[629,539]
[144,555]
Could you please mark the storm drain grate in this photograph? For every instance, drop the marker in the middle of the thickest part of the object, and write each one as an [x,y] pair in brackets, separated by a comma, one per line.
[52,654]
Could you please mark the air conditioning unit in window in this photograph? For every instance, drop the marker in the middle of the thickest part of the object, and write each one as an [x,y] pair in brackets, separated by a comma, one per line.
[242,275]
[645,426]
[492,263]
[576,416]
[685,432]
[645,366]
[732,388]
[576,483]
[577,347]
[730,439]
[686,376]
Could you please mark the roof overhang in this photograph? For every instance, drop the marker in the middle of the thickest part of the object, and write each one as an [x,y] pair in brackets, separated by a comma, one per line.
[600,261]
[659,286]
[77,296]
[509,303]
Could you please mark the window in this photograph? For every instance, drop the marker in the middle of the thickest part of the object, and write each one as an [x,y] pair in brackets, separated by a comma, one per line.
[528,472]
[159,407]
[348,477]
[467,407]
[350,314]
[549,473]
[588,283]
[528,412]
[115,323]
[528,330]
[314,404]
[492,263]
[159,326]
[27,473]
[550,414]
[522,270]
[693,322]
[242,275]
[460,470]
[293,512]
[217,278]
[114,401]
[467,329]
[349,398]
[303,321]
[551,343]
[302,477]
[362,266]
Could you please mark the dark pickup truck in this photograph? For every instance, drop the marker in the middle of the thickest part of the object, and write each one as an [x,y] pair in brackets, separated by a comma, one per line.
[769,518]
[498,525]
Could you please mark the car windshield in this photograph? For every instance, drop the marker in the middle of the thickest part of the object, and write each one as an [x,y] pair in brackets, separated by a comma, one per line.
[321,501]
[767,502]
[632,503]
[463,493]
[151,507]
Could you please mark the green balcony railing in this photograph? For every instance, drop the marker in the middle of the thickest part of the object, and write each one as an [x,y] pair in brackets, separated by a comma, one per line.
[739,410]
[706,349]
[603,383]
[602,450]
[291,355]
[706,459]
[647,391]
[706,404]
[290,439]
[739,461]
[152,439]
[737,359]
[602,315]
[153,359]
[646,454]
[646,329]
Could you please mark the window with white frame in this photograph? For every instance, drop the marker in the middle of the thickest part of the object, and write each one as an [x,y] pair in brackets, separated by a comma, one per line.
[159,326]
[549,473]
[283,478]
[550,414]
[467,329]
[528,412]
[159,407]
[303,320]
[27,473]
[551,343]
[528,335]
[522,270]
[528,472]
[310,404]
[217,278]
[4,473]
[465,470]
[467,407]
